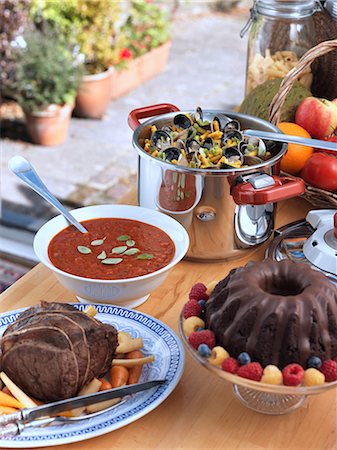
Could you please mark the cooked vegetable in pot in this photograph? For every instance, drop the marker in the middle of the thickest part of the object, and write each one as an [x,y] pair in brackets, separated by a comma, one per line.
[194,142]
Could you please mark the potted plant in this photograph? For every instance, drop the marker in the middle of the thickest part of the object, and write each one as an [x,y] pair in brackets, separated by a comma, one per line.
[142,47]
[90,24]
[46,80]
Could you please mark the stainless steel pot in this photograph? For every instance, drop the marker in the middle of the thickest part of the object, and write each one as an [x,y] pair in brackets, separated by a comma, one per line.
[226,212]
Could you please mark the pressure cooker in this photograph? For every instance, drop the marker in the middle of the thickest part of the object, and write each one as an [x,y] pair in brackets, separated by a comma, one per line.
[226,212]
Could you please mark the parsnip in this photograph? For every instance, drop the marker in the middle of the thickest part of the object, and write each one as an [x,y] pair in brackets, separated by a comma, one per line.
[90,388]
[90,310]
[17,392]
[129,345]
[103,405]
[133,362]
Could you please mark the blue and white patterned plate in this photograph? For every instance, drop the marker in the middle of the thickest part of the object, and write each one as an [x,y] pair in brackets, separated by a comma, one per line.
[159,340]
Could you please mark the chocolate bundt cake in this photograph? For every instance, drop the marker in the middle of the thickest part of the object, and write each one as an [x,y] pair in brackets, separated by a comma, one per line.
[278,312]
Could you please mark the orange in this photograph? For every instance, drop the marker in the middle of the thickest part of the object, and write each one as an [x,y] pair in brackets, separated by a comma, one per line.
[297,155]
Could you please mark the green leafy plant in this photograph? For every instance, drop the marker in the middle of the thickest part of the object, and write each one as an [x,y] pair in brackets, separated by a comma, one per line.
[13,19]
[47,71]
[88,23]
[147,27]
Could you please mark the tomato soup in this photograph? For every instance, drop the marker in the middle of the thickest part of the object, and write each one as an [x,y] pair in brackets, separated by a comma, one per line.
[112,249]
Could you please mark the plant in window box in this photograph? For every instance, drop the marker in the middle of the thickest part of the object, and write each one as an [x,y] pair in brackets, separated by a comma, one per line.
[91,24]
[46,80]
[142,46]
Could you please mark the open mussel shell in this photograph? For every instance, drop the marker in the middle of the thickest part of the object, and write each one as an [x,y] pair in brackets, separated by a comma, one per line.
[233,154]
[182,121]
[161,139]
[180,144]
[198,115]
[172,153]
[192,146]
[259,145]
[208,143]
[232,125]
[222,121]
[252,160]
[232,134]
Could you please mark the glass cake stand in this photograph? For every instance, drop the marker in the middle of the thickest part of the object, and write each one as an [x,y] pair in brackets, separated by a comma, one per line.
[260,397]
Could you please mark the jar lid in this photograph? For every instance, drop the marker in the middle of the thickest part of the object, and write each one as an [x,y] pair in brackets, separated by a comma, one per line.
[287,9]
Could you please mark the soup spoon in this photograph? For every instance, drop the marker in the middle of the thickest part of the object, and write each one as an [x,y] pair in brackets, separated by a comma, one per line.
[26,172]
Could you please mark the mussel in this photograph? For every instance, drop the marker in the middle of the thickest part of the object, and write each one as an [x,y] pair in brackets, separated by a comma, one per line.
[208,143]
[233,154]
[192,145]
[161,139]
[172,153]
[232,125]
[232,135]
[182,121]
[259,145]
[252,160]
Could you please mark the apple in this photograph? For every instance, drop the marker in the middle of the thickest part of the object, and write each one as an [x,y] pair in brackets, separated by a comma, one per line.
[318,116]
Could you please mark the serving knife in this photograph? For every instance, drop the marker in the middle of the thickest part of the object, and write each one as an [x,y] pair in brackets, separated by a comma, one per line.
[329,147]
[13,424]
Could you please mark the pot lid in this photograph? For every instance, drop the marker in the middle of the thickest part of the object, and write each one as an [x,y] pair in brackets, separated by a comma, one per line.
[312,241]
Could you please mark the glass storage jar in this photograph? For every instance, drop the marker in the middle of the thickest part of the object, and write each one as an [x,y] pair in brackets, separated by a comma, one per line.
[280,33]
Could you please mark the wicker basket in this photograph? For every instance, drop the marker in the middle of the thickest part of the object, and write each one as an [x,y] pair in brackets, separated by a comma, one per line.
[317,197]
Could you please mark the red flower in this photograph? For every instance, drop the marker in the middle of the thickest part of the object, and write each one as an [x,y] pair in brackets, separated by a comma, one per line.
[125,53]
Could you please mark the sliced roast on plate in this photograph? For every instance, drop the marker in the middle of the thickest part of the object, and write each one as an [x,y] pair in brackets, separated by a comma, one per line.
[52,350]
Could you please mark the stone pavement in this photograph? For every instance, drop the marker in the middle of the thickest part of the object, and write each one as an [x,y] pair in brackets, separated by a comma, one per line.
[97,164]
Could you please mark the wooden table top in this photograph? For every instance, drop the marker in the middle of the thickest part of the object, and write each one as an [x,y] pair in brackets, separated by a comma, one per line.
[202,412]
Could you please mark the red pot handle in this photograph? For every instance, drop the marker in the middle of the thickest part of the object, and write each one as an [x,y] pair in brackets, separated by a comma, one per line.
[149,111]
[284,187]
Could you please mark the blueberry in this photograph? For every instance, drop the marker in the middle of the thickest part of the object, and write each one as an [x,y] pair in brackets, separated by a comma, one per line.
[314,362]
[244,359]
[200,329]
[204,350]
[202,303]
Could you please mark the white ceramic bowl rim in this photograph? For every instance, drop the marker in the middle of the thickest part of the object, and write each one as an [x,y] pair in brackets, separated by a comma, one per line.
[179,253]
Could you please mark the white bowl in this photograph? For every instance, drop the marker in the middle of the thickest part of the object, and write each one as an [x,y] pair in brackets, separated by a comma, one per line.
[129,292]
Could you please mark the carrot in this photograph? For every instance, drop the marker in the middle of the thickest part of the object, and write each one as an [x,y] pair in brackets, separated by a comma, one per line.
[105,384]
[134,372]
[9,400]
[118,376]
[7,410]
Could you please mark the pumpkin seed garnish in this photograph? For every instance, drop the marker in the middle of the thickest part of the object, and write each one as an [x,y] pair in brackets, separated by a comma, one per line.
[112,260]
[97,241]
[123,237]
[145,256]
[102,255]
[84,250]
[119,250]
[130,243]
[131,251]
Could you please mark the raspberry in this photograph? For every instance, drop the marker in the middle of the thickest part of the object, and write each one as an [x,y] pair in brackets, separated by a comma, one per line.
[252,371]
[191,308]
[329,370]
[313,377]
[244,359]
[198,292]
[230,365]
[272,375]
[202,337]
[292,375]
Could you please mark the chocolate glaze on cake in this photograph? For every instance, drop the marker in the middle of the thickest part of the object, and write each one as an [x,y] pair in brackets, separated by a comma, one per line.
[279,312]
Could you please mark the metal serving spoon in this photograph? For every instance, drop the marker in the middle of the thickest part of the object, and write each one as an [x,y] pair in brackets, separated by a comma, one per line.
[25,171]
[329,147]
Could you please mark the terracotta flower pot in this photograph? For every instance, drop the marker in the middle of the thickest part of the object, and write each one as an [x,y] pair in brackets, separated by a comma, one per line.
[94,95]
[139,70]
[49,126]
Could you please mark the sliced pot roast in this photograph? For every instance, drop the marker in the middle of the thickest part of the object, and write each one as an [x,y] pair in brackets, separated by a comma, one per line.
[52,350]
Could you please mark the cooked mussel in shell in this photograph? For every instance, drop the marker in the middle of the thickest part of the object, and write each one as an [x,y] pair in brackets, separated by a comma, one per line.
[217,143]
